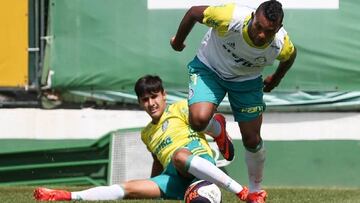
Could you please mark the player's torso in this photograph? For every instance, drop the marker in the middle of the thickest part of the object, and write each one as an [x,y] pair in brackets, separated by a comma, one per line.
[171,133]
[231,56]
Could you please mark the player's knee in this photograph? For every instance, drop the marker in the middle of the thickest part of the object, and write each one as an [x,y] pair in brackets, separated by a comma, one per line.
[179,158]
[251,141]
[199,123]
[129,190]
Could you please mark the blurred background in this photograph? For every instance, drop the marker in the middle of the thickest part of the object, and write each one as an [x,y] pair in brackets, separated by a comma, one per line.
[69,114]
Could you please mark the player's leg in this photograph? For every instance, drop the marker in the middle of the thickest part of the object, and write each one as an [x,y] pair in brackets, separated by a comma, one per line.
[254,153]
[202,166]
[172,185]
[246,100]
[205,94]
[132,189]
[141,189]
[200,114]
[145,189]
[203,169]
[112,192]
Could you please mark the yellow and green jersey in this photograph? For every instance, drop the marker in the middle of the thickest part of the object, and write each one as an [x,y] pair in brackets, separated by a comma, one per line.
[171,133]
[227,49]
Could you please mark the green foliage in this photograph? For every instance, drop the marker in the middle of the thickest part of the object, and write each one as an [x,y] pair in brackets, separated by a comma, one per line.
[276,195]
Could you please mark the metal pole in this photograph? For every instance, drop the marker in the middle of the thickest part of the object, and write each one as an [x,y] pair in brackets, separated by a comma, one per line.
[42,41]
[36,9]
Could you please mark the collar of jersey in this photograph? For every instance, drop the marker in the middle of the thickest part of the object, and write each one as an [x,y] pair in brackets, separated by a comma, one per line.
[246,36]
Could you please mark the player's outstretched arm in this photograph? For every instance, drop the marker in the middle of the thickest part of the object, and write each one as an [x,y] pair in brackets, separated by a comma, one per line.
[272,81]
[193,15]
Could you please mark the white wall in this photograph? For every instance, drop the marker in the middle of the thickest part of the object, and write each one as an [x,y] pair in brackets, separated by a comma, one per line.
[92,124]
[66,124]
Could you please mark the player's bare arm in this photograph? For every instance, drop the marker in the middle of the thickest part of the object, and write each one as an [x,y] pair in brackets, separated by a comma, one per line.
[272,81]
[157,168]
[193,15]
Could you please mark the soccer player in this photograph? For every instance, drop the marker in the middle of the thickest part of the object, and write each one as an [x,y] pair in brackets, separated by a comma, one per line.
[238,45]
[180,154]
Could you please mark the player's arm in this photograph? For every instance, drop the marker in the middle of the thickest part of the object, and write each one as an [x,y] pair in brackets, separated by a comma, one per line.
[193,15]
[287,58]
[157,168]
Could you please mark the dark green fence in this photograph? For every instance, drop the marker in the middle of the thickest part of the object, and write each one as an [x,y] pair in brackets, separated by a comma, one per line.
[30,162]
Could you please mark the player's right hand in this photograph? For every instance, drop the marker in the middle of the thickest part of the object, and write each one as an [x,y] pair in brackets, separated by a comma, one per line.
[175,45]
[271,82]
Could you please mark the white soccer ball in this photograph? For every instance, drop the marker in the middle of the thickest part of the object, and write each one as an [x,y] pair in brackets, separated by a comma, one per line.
[202,191]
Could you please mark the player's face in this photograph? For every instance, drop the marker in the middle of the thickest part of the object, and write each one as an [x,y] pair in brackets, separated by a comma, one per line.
[262,30]
[154,104]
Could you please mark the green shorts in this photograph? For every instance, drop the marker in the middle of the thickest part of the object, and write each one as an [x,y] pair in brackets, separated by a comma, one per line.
[171,183]
[246,97]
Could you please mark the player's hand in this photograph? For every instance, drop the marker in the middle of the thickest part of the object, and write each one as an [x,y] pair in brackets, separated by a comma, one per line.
[176,46]
[271,82]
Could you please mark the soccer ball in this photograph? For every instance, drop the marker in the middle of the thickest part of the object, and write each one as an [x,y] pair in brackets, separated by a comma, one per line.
[202,191]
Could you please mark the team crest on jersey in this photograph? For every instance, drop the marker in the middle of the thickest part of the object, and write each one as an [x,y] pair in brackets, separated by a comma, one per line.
[260,61]
[165,125]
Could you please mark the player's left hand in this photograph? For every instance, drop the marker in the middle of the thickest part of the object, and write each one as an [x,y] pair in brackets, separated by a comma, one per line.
[271,82]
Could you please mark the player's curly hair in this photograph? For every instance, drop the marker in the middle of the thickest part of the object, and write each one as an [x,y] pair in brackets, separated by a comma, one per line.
[272,10]
[148,84]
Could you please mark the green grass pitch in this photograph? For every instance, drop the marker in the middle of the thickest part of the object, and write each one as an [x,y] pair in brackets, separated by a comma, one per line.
[276,195]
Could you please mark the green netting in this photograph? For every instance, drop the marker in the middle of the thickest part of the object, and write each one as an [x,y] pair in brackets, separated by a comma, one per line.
[107,45]
[98,49]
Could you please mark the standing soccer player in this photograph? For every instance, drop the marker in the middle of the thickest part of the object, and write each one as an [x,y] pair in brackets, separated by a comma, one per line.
[239,44]
[179,153]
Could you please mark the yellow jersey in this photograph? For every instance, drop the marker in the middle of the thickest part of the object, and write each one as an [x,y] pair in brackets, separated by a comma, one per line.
[171,133]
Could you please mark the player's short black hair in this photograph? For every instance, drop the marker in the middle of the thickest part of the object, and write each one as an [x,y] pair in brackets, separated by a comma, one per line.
[272,10]
[148,84]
